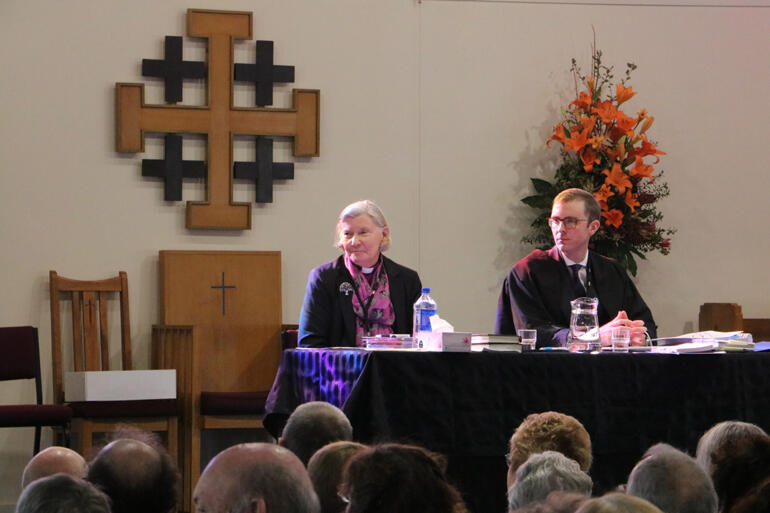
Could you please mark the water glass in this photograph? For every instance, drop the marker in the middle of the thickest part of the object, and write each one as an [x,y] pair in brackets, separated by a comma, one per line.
[528,339]
[621,339]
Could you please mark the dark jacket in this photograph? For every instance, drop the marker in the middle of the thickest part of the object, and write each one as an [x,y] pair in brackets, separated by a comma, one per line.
[537,294]
[327,317]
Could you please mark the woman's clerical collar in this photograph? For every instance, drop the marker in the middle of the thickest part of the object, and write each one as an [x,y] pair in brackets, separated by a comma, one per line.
[367,270]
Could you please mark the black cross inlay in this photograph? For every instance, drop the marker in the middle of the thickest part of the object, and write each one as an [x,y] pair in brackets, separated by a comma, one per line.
[264,170]
[264,74]
[224,289]
[172,168]
[172,69]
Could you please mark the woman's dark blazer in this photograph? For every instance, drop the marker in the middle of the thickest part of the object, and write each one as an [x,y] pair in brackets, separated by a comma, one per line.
[327,318]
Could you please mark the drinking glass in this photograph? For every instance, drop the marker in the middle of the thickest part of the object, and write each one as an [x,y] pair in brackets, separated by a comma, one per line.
[621,339]
[528,339]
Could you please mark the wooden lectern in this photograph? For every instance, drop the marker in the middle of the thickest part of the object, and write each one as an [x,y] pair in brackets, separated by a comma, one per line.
[221,330]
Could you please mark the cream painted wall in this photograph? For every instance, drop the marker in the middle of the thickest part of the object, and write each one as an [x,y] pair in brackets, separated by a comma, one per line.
[437,110]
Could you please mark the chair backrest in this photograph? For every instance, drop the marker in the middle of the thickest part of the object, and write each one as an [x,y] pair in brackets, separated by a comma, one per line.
[90,330]
[20,356]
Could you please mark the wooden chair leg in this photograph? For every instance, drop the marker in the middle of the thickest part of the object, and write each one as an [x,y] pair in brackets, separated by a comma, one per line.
[195,457]
[36,447]
[86,437]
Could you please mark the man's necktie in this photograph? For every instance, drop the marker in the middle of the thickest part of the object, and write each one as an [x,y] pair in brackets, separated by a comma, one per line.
[577,285]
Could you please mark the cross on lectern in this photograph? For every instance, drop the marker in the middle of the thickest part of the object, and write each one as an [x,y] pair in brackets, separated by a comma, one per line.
[220,120]
[224,288]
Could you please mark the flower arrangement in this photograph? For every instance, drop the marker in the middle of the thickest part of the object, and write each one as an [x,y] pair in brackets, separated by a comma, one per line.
[608,153]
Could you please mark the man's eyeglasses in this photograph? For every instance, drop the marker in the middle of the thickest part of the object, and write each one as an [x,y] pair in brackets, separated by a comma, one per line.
[568,222]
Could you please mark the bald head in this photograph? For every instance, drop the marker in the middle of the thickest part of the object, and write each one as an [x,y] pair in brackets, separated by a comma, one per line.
[313,425]
[136,476]
[264,478]
[54,460]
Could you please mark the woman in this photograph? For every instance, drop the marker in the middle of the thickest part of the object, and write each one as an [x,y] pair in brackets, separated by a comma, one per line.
[400,478]
[361,293]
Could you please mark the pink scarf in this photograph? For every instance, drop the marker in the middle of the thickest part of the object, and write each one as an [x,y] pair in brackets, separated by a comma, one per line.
[371,301]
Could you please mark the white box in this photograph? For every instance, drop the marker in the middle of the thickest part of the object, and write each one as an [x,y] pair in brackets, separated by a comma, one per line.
[119,385]
[449,341]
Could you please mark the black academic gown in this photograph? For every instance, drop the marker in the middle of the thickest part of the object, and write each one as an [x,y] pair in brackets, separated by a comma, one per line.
[537,294]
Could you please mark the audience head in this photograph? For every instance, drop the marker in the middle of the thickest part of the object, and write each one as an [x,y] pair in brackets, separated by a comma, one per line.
[136,472]
[325,468]
[617,503]
[672,481]
[62,493]
[737,456]
[549,431]
[544,473]
[394,477]
[54,460]
[724,434]
[556,502]
[255,477]
[313,425]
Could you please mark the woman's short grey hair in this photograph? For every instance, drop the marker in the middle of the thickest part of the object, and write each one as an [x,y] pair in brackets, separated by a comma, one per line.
[544,473]
[363,207]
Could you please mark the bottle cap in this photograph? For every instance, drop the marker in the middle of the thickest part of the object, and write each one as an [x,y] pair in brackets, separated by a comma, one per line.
[426,290]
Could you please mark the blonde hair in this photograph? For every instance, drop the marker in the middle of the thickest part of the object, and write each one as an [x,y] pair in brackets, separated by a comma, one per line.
[358,208]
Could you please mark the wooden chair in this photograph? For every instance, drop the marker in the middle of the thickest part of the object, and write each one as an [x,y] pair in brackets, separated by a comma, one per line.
[21,360]
[729,317]
[91,352]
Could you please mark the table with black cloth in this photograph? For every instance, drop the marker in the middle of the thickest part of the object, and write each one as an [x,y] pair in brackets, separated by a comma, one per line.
[467,405]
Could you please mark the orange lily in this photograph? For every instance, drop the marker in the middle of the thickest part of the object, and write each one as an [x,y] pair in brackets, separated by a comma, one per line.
[603,193]
[630,200]
[625,122]
[606,111]
[588,123]
[613,217]
[649,149]
[623,94]
[576,141]
[589,158]
[618,178]
[583,101]
[647,124]
[558,135]
[641,169]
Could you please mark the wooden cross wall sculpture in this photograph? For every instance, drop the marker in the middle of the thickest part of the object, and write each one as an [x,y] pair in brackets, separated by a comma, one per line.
[219,120]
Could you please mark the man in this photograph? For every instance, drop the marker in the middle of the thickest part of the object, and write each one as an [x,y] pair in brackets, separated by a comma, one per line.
[61,493]
[255,478]
[136,473]
[673,481]
[549,431]
[313,425]
[538,290]
[54,460]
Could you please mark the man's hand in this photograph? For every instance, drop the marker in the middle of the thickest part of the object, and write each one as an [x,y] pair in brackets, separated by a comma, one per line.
[638,330]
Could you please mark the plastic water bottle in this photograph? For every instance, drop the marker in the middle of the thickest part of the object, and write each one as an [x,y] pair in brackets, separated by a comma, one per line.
[424,308]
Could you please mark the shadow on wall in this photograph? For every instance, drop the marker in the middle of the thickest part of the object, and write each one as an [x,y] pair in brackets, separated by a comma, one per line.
[535,160]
